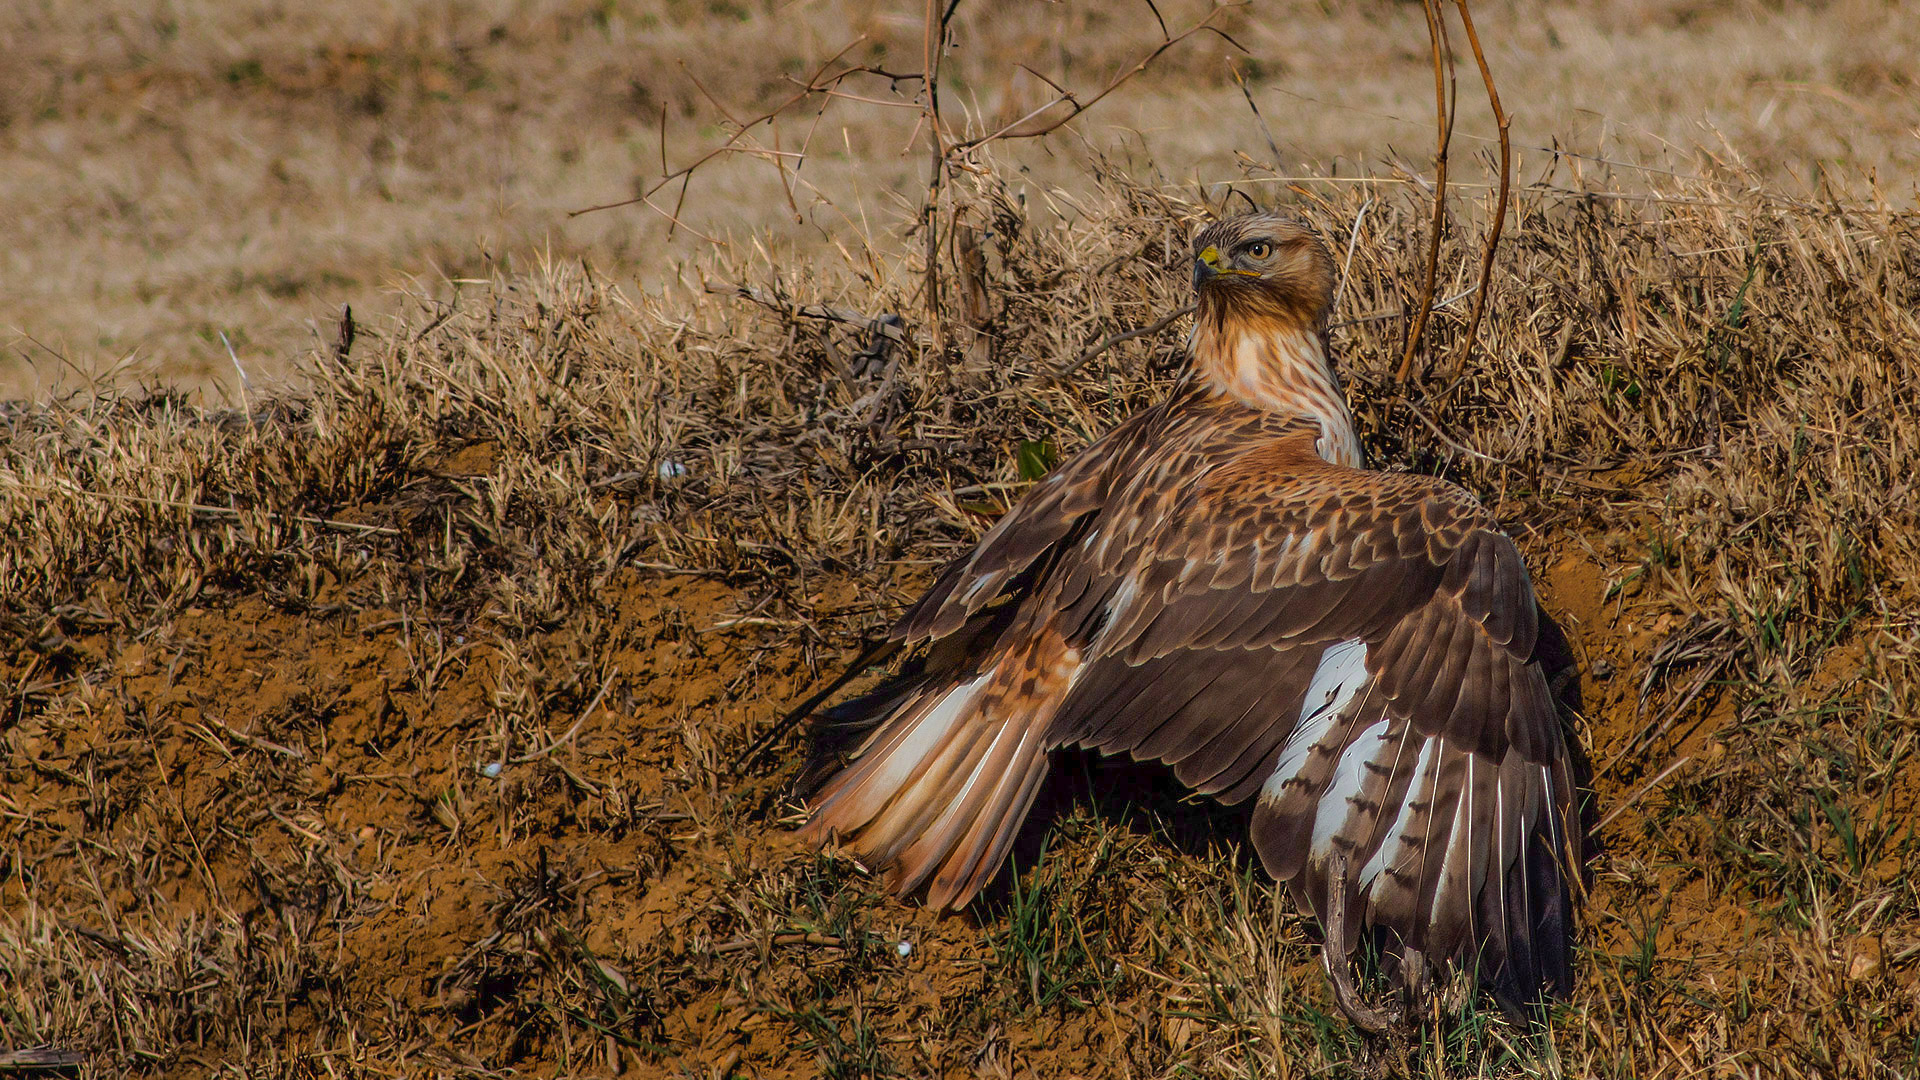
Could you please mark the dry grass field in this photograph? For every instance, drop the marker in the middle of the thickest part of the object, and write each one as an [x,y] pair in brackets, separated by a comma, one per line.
[385,721]
[178,169]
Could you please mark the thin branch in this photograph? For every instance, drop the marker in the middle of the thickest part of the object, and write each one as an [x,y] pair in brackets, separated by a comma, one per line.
[815,84]
[254,741]
[1630,800]
[864,100]
[786,182]
[41,1057]
[823,312]
[1155,8]
[674,215]
[555,744]
[1353,238]
[1453,444]
[1443,121]
[663,140]
[1395,313]
[202,508]
[747,945]
[1151,328]
[1506,182]
[1057,88]
[933,45]
[1204,26]
[871,654]
[1265,128]
[775,154]
[1556,151]
[806,144]
[702,87]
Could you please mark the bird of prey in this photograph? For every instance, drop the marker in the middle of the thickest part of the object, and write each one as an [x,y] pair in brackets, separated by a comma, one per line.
[1220,585]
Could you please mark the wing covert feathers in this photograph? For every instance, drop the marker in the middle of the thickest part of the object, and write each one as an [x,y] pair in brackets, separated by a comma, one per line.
[1199,588]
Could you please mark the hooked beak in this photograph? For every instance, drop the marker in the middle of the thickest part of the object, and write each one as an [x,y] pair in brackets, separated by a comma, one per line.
[1206,266]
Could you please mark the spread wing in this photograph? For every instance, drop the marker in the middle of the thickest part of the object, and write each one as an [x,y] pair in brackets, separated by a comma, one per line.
[1357,648]
[1050,510]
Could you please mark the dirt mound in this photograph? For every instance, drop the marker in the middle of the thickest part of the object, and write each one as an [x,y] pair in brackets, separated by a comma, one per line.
[394,729]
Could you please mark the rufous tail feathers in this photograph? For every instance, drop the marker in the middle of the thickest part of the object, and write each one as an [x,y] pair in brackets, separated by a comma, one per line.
[935,795]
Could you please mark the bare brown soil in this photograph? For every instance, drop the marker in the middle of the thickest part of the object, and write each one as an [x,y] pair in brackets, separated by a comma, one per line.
[392,728]
[289,769]
[326,781]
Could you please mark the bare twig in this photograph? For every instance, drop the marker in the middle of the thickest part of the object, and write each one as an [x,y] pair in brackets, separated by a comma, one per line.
[933,44]
[1443,122]
[1353,238]
[245,382]
[878,653]
[1107,343]
[1506,182]
[669,568]
[1458,447]
[943,152]
[883,323]
[748,944]
[1076,106]
[1641,793]
[41,1058]
[1247,92]
[1395,313]
[255,741]
[555,744]
[664,171]
[818,83]
[227,511]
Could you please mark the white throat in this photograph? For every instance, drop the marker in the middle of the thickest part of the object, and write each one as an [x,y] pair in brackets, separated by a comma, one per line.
[1284,371]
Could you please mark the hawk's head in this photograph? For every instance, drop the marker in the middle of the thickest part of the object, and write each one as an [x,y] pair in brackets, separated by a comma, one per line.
[1263,265]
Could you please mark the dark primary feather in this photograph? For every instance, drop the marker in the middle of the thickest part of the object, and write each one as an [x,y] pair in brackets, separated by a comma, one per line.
[1045,515]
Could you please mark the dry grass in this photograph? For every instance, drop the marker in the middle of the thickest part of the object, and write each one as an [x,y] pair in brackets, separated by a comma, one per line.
[178,169]
[386,728]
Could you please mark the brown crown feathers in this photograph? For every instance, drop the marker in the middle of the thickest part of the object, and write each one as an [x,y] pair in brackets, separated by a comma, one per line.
[1263,266]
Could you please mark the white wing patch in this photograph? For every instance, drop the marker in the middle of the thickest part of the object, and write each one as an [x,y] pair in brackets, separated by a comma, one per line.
[1340,675]
[1390,843]
[1347,778]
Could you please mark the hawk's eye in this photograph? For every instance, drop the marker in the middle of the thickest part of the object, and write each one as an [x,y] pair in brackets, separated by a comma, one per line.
[1259,249]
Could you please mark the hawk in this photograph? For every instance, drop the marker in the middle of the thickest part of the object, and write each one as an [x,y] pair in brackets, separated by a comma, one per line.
[1220,585]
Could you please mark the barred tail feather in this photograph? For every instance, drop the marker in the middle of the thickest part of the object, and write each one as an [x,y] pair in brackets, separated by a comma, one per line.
[934,796]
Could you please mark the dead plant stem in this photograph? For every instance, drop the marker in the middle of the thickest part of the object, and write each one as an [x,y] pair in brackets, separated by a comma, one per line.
[1500,205]
[1443,123]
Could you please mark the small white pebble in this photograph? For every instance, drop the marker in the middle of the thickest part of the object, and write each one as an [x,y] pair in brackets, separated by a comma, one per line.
[672,470]
[490,769]
[904,948]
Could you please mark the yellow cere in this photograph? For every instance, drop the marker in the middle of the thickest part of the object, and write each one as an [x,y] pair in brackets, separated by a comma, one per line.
[1211,256]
